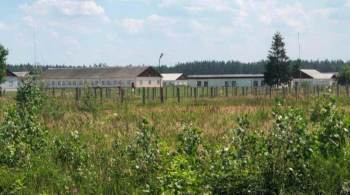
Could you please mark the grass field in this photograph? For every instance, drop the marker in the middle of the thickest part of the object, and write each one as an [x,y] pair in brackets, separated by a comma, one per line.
[210,145]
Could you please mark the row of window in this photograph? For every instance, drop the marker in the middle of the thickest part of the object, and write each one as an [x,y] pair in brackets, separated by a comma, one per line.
[81,83]
[227,83]
[96,83]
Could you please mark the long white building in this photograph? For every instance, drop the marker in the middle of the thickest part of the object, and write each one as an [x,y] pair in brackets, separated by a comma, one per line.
[135,77]
[226,80]
[314,78]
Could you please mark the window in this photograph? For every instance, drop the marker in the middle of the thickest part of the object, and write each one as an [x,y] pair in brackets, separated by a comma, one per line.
[255,83]
[129,82]
[59,83]
[150,82]
[199,83]
[108,82]
[158,82]
[206,84]
[103,82]
[263,83]
[53,83]
[141,82]
[96,82]
[115,82]
[80,82]
[69,82]
[234,83]
[63,83]
[226,84]
[74,83]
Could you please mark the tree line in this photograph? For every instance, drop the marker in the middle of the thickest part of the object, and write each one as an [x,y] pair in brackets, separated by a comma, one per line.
[237,67]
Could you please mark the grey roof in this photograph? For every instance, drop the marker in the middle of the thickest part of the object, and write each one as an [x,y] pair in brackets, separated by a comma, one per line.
[316,74]
[225,76]
[94,73]
[21,74]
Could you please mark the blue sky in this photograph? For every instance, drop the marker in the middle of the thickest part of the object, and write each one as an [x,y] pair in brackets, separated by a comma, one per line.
[122,32]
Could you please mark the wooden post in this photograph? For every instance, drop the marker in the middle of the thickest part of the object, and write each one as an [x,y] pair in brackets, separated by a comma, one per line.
[270,92]
[226,91]
[121,95]
[195,92]
[101,94]
[143,96]
[178,94]
[95,92]
[337,90]
[76,94]
[161,95]
[296,91]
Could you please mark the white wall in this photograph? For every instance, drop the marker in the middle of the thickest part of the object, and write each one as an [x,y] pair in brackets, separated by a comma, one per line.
[314,82]
[148,82]
[11,84]
[241,82]
[175,83]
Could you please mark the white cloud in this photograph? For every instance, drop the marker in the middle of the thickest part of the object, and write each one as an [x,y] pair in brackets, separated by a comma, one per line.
[3,26]
[131,25]
[65,7]
[154,21]
[200,5]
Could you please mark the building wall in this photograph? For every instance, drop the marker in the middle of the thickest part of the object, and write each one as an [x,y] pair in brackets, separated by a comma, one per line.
[175,83]
[241,82]
[125,82]
[314,82]
[11,84]
[148,82]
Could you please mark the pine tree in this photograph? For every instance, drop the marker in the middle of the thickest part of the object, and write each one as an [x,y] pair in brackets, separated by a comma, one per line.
[277,68]
[3,55]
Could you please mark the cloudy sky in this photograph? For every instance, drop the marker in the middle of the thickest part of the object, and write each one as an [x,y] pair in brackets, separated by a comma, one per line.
[121,32]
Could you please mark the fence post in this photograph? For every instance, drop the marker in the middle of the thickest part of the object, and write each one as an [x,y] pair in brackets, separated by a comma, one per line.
[76,94]
[226,91]
[122,95]
[178,94]
[337,90]
[270,91]
[195,93]
[143,96]
[161,95]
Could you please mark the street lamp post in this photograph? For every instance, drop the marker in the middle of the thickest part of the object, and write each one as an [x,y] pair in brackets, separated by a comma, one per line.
[160,57]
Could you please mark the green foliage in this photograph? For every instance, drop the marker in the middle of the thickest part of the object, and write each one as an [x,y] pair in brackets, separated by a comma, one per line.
[145,159]
[29,98]
[235,166]
[72,154]
[88,103]
[289,150]
[277,69]
[344,75]
[334,131]
[3,55]
[20,134]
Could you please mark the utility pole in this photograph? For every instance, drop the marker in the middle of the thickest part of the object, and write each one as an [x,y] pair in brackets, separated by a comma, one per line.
[160,57]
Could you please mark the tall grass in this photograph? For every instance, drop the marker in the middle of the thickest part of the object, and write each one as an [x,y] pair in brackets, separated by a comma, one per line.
[215,146]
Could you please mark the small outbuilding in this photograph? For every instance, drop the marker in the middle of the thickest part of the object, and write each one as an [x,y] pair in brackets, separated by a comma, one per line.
[108,77]
[174,79]
[314,78]
[11,82]
[226,80]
